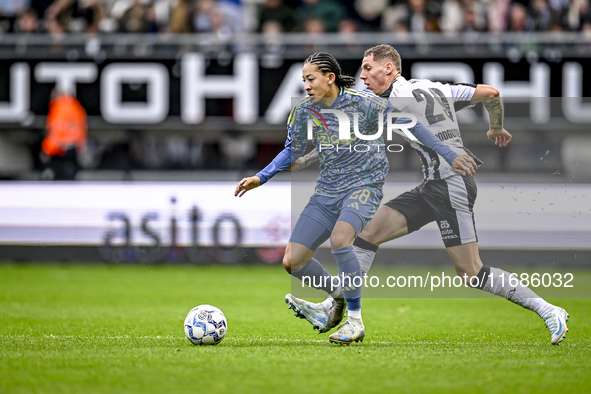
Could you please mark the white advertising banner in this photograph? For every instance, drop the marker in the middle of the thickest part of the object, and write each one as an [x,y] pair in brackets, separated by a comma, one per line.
[91,213]
[508,216]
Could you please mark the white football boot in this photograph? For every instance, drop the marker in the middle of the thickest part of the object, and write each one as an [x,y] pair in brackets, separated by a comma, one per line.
[556,324]
[321,318]
[350,331]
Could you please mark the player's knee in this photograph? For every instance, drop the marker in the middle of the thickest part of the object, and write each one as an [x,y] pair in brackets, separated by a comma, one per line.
[338,241]
[293,263]
[287,262]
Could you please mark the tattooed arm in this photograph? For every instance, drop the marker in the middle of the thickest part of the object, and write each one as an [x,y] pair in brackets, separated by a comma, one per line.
[305,161]
[491,99]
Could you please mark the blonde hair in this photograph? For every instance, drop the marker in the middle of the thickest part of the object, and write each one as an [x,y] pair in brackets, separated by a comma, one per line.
[385,52]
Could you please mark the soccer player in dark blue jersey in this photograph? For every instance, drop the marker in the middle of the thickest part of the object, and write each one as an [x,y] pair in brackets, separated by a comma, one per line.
[348,190]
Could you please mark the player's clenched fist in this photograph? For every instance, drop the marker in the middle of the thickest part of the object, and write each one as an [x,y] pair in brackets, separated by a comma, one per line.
[246,184]
[464,165]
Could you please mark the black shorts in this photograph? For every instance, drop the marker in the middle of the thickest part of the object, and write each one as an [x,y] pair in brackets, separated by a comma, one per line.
[448,201]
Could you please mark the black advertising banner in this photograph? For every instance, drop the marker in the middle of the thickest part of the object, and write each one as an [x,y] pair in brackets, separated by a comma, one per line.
[186,90]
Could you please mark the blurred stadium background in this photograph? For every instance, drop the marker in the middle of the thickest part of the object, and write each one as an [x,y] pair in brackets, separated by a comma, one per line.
[185,97]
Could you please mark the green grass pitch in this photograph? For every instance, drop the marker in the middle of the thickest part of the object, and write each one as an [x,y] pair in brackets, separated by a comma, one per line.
[106,329]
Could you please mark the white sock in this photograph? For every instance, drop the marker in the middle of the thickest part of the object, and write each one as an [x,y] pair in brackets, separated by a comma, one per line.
[355,314]
[498,282]
[365,257]
[327,303]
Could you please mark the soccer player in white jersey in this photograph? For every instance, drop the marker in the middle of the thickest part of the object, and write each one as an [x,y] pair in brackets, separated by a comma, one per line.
[444,196]
[348,190]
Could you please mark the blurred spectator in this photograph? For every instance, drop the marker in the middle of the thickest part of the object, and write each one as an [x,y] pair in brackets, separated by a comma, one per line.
[224,17]
[10,11]
[273,48]
[203,16]
[473,22]
[462,16]
[40,6]
[451,16]
[271,30]
[559,10]
[400,27]
[432,24]
[314,26]
[540,15]
[233,15]
[27,22]
[518,20]
[276,10]
[497,15]
[160,12]
[394,19]
[136,18]
[586,19]
[417,15]
[229,17]
[330,13]
[370,12]
[579,13]
[66,136]
[347,29]
[75,16]
[180,17]
[347,26]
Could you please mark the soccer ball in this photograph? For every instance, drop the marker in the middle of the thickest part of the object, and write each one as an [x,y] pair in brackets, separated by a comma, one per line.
[205,325]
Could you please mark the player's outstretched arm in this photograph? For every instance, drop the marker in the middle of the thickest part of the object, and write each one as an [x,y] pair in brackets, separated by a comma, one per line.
[247,184]
[491,99]
[461,164]
[279,163]
[464,165]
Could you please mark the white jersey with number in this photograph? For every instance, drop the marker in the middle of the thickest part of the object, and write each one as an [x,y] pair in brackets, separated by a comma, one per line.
[435,105]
